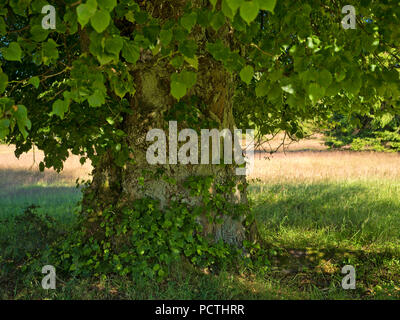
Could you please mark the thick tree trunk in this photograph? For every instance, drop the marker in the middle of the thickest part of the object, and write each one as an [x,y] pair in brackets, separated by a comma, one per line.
[215,88]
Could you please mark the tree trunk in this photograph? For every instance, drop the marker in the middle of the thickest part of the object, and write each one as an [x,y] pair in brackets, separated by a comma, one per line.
[152,100]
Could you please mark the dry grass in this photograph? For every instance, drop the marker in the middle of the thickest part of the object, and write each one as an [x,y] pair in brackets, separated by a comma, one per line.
[309,160]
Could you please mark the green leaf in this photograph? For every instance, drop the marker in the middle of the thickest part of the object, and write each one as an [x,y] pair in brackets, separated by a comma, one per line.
[226,9]
[181,82]
[288,88]
[13,52]
[108,5]
[60,107]
[85,11]
[217,20]
[213,3]
[193,62]
[34,81]
[131,51]
[4,128]
[21,114]
[100,20]
[114,45]
[189,78]
[315,92]
[38,33]
[324,78]
[166,37]
[49,51]
[249,11]
[247,74]
[178,89]
[268,5]
[262,89]
[3,27]
[234,5]
[188,48]
[353,85]
[3,82]
[188,21]
[177,61]
[96,99]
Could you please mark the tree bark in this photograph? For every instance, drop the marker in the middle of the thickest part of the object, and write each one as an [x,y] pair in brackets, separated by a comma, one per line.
[215,88]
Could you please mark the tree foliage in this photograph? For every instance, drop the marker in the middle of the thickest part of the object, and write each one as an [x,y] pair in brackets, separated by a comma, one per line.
[69,88]
[369,132]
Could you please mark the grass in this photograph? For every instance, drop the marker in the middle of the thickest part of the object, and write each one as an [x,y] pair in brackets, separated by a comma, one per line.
[356,213]
[317,211]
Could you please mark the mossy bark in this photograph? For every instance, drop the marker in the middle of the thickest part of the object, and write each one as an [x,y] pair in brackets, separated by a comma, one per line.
[215,88]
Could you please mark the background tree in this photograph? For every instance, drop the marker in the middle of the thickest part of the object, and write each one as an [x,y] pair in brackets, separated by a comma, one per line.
[112,70]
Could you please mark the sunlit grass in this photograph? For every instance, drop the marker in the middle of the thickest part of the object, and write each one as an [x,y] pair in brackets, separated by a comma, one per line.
[316,212]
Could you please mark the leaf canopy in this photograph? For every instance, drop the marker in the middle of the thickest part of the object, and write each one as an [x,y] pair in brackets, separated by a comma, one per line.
[293,61]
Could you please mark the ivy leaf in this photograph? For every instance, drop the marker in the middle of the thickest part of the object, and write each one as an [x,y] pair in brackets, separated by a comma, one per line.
[114,45]
[166,37]
[177,61]
[130,52]
[85,11]
[247,74]
[108,5]
[227,10]
[189,78]
[249,11]
[100,20]
[194,62]
[188,21]
[188,48]
[234,5]
[181,82]
[213,3]
[217,20]
[13,52]
[178,89]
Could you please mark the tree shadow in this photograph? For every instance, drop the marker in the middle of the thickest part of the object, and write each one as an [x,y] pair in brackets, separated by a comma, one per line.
[322,224]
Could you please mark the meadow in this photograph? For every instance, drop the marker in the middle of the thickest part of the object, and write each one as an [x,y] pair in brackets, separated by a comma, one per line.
[317,210]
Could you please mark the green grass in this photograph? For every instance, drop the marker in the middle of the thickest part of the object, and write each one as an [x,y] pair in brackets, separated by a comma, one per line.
[357,213]
[22,188]
[309,230]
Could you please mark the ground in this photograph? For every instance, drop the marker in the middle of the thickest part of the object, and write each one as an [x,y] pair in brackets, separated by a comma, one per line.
[317,211]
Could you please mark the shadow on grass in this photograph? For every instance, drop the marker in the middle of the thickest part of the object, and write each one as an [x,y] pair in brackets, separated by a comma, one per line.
[317,228]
